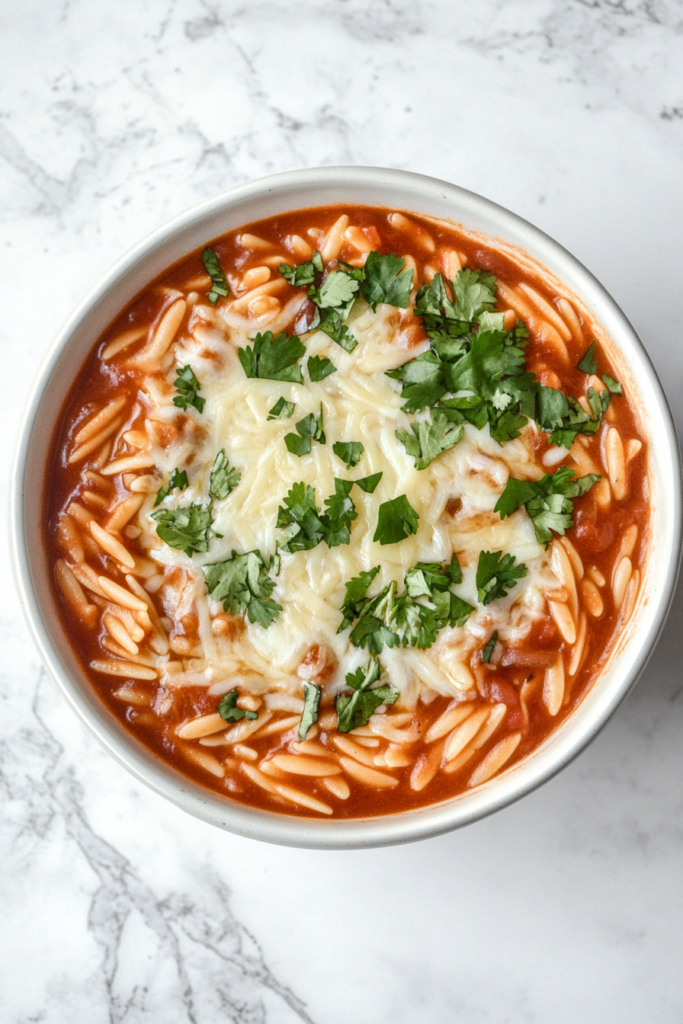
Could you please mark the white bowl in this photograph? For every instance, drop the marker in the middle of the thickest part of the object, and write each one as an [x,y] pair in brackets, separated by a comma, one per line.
[242,205]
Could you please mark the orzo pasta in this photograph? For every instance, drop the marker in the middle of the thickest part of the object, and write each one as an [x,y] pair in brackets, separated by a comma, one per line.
[346,511]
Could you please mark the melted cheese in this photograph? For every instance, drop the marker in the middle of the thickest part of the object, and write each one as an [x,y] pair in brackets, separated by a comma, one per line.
[359,403]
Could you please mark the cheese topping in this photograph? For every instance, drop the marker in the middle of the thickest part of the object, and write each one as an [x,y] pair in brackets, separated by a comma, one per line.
[454,497]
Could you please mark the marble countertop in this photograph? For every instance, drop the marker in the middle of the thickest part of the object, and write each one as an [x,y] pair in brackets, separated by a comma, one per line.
[116,907]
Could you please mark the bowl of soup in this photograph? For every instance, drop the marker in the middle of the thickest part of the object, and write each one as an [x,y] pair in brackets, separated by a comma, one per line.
[337,510]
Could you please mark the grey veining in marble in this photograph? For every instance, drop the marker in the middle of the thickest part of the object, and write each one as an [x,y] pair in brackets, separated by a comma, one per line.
[115,906]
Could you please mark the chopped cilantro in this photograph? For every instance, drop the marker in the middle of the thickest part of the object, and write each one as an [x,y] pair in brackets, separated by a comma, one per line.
[338,291]
[430,437]
[309,715]
[395,521]
[319,368]
[187,529]
[282,410]
[356,590]
[299,520]
[223,479]
[213,269]
[304,273]
[412,619]
[355,710]
[369,483]
[273,358]
[496,574]
[177,481]
[589,363]
[474,292]
[422,381]
[548,500]
[227,708]
[384,281]
[331,322]
[187,386]
[303,524]
[243,585]
[613,385]
[309,429]
[349,452]
[488,650]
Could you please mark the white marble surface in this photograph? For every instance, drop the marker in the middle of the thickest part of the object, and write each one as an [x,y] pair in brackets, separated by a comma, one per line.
[115,906]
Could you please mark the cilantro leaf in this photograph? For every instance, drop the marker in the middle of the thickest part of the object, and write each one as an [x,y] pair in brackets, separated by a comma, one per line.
[319,368]
[213,269]
[338,291]
[355,710]
[488,650]
[177,480]
[474,292]
[282,410]
[304,526]
[300,520]
[186,529]
[349,452]
[412,619]
[423,381]
[613,385]
[304,273]
[496,574]
[384,281]
[309,715]
[548,500]
[243,585]
[331,322]
[339,514]
[369,483]
[223,479]
[187,386]
[589,363]
[356,590]
[309,429]
[273,358]
[395,521]
[430,437]
[227,708]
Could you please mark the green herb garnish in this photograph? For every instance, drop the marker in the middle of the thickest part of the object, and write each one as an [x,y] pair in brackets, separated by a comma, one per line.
[243,585]
[349,452]
[412,619]
[213,269]
[589,363]
[303,524]
[396,520]
[177,481]
[187,529]
[548,500]
[187,386]
[304,273]
[282,410]
[273,358]
[488,650]
[384,281]
[309,429]
[496,574]
[309,715]
[369,483]
[431,437]
[355,710]
[319,368]
[223,479]
[228,709]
